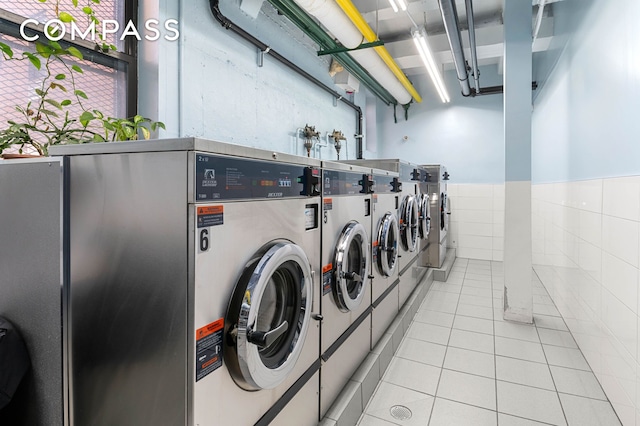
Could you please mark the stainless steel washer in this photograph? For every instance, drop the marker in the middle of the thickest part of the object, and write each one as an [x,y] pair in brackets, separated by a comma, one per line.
[346,301]
[440,213]
[194,284]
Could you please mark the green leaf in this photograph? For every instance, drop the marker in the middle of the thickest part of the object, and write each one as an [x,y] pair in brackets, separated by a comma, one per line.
[43,49]
[42,1]
[55,45]
[145,132]
[66,17]
[137,119]
[48,112]
[87,10]
[113,47]
[58,86]
[75,3]
[60,77]
[81,94]
[75,52]
[6,50]
[98,138]
[54,103]
[96,1]
[39,92]
[86,116]
[161,124]
[66,102]
[77,69]
[34,59]
[98,114]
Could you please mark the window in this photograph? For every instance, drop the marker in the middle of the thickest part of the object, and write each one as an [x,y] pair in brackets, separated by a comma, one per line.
[108,79]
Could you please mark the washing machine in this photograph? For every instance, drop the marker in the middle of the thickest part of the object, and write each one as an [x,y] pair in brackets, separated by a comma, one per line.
[346,284]
[440,212]
[424,217]
[194,284]
[408,220]
[385,234]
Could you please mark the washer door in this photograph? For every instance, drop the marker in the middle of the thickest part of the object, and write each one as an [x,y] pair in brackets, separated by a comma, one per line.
[351,263]
[268,316]
[444,208]
[409,223]
[386,245]
[425,216]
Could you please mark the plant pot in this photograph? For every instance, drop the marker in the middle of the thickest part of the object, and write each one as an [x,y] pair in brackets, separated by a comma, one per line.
[16,155]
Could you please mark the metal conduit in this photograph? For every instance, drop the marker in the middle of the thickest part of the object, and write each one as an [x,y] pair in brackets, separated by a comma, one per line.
[472,45]
[226,23]
[452,28]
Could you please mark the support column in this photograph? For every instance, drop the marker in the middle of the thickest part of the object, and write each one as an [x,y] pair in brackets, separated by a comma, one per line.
[518,297]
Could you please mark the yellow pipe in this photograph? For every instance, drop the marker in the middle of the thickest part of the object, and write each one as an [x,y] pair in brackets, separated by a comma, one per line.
[354,14]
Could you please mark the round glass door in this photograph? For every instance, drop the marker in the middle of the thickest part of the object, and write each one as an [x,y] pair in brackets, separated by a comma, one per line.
[351,263]
[386,245]
[444,209]
[409,223]
[268,316]
[425,216]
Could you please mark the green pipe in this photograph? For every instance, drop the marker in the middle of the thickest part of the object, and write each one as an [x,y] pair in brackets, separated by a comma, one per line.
[312,29]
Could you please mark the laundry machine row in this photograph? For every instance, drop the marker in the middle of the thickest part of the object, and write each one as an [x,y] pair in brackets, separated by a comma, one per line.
[412,218]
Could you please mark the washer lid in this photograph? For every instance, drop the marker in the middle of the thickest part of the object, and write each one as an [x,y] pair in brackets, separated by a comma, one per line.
[268,316]
[386,245]
[425,216]
[409,223]
[351,266]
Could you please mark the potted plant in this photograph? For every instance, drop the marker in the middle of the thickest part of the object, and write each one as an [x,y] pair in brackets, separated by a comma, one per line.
[59,111]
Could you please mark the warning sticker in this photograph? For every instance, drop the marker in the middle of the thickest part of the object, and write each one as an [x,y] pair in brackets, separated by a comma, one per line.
[209,348]
[327,279]
[327,204]
[210,216]
[375,198]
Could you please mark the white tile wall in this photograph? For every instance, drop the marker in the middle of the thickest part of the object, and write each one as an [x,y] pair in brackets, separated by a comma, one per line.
[586,251]
[477,220]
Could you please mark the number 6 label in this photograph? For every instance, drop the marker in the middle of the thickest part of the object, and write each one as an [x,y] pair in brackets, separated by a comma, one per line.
[203,240]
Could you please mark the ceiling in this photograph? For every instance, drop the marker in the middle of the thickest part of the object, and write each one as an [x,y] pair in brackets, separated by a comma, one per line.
[394,29]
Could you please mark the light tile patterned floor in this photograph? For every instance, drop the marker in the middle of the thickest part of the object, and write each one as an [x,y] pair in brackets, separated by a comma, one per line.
[460,363]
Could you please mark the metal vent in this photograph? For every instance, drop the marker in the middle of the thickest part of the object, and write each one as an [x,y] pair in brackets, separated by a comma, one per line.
[400,412]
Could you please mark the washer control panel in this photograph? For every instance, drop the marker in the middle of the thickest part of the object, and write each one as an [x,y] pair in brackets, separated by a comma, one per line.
[230,178]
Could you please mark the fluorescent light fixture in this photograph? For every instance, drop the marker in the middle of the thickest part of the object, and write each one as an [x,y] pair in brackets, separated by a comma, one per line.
[420,39]
[403,5]
[394,5]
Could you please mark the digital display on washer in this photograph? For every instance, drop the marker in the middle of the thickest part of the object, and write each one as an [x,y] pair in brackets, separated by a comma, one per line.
[382,184]
[341,183]
[227,178]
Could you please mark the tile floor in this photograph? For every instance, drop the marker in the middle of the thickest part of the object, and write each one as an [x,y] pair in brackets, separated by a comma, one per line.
[460,363]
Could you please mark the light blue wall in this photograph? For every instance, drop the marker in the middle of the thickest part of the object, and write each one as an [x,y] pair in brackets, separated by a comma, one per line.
[585,119]
[209,84]
[466,135]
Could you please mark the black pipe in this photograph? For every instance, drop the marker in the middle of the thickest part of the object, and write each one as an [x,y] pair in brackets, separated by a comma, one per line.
[496,90]
[214,5]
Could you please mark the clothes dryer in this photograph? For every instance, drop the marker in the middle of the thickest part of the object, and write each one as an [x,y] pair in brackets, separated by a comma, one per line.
[346,288]
[194,284]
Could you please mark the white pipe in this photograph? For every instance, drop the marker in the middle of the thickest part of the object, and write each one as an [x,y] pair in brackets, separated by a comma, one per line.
[340,26]
[541,6]
[318,145]
[298,131]
[335,20]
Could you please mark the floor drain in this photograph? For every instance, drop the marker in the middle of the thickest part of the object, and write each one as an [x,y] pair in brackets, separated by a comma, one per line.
[400,412]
